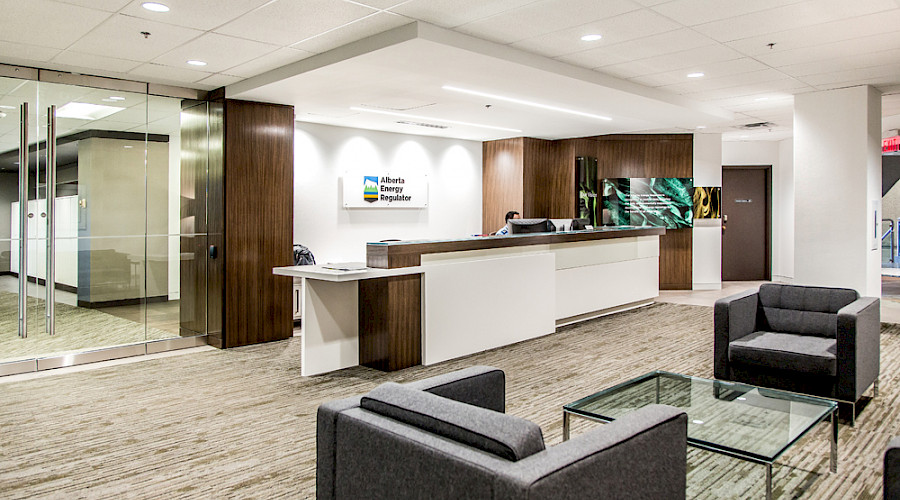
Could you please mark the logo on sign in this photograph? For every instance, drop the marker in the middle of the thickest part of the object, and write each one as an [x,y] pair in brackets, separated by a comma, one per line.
[370,188]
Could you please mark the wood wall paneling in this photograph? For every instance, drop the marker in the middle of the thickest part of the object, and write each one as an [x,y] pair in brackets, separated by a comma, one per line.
[502,181]
[259,158]
[539,168]
[390,322]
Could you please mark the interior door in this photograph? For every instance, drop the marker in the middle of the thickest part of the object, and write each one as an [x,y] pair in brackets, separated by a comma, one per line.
[746,239]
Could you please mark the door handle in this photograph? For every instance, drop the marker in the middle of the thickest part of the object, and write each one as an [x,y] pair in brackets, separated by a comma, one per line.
[213,251]
[50,193]
[23,219]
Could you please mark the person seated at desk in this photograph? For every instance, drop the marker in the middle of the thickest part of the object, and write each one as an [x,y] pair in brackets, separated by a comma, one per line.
[503,231]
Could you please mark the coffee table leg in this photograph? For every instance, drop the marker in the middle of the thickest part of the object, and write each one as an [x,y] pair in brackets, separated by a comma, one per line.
[565,425]
[768,481]
[834,440]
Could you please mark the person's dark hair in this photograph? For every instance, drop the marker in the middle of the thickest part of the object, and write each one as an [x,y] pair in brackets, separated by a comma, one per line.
[510,215]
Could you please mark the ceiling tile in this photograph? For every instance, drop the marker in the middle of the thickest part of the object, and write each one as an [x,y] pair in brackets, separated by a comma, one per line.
[46,24]
[663,43]
[820,34]
[618,29]
[219,52]
[198,14]
[220,80]
[694,12]
[107,5]
[789,17]
[848,48]
[594,58]
[886,59]
[380,4]
[21,53]
[544,17]
[856,74]
[284,22]
[121,37]
[268,62]
[92,61]
[168,73]
[452,13]
[365,27]
[694,58]
[691,85]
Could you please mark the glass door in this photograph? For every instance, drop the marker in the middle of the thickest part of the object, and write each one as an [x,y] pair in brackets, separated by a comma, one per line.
[105,259]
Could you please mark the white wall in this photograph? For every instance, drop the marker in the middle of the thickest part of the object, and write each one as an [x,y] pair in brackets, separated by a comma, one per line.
[837,162]
[322,154]
[778,154]
[707,233]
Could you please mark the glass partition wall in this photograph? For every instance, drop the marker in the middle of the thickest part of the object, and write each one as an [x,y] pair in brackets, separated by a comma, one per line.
[99,272]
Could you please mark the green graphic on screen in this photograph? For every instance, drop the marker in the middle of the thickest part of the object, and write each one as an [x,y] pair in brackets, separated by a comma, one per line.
[656,201]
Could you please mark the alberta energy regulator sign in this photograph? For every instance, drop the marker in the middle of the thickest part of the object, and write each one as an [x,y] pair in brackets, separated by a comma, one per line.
[381,190]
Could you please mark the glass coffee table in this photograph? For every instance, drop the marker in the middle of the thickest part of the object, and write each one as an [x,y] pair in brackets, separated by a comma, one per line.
[741,421]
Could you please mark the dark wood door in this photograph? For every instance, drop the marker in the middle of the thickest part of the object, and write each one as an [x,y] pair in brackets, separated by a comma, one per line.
[746,243]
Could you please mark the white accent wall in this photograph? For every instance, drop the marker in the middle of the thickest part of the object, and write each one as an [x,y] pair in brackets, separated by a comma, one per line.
[323,153]
[778,154]
[837,166]
[707,233]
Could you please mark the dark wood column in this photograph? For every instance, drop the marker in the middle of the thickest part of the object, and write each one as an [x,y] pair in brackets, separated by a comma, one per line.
[251,170]
[390,322]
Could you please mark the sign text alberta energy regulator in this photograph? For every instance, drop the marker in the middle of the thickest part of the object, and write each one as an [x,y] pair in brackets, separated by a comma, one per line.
[385,190]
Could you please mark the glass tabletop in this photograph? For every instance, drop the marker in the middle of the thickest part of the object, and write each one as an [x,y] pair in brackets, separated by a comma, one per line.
[736,419]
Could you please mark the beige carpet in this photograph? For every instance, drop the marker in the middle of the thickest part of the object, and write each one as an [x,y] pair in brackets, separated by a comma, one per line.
[240,423]
[77,329]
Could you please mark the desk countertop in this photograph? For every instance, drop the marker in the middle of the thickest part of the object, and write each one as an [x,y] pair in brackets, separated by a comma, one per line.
[321,273]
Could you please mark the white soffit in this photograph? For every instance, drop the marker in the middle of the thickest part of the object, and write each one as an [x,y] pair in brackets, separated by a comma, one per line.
[404,69]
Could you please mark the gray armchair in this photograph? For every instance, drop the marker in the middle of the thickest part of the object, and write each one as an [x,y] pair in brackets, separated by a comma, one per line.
[812,340]
[447,437]
[892,470]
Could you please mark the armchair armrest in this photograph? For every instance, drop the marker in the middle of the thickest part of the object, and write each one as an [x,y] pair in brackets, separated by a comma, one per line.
[858,347]
[892,470]
[483,386]
[734,317]
[616,459]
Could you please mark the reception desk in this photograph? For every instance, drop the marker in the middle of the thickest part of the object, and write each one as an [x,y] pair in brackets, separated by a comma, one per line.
[423,302]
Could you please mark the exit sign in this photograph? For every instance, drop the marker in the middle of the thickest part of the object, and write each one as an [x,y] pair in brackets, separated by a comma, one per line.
[891,144]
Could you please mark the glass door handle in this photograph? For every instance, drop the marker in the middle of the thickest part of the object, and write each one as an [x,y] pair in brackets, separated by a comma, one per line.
[50,195]
[23,219]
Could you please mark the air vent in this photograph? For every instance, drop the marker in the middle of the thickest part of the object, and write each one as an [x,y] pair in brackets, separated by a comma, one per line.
[754,126]
[420,124]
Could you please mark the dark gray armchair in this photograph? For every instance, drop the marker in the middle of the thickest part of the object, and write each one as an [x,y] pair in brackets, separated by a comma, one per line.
[447,438]
[812,340]
[892,470]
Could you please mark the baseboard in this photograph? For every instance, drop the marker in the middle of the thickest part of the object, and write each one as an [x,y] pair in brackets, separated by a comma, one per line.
[122,302]
[42,282]
[603,312]
[676,286]
[707,286]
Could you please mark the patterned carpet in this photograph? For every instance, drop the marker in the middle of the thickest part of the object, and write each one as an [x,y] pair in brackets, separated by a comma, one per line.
[240,423]
[77,328]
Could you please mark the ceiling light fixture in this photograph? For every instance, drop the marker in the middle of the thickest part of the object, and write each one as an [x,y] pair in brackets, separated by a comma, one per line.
[525,103]
[194,62]
[155,7]
[7,107]
[591,38]
[701,127]
[695,75]
[86,111]
[428,118]
[116,98]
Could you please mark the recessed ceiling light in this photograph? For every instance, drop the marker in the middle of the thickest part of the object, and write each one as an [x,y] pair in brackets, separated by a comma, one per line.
[695,75]
[701,126]
[86,111]
[432,119]
[7,107]
[155,7]
[194,62]
[116,98]
[525,103]
[591,38]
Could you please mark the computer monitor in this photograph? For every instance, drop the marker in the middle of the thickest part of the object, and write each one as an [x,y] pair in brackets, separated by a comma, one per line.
[579,224]
[522,226]
[556,225]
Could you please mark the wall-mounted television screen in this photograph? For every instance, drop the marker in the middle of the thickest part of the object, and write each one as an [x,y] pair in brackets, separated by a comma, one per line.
[657,201]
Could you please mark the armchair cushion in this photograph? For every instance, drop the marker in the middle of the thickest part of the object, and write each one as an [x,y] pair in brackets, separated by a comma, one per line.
[503,435]
[801,309]
[801,353]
